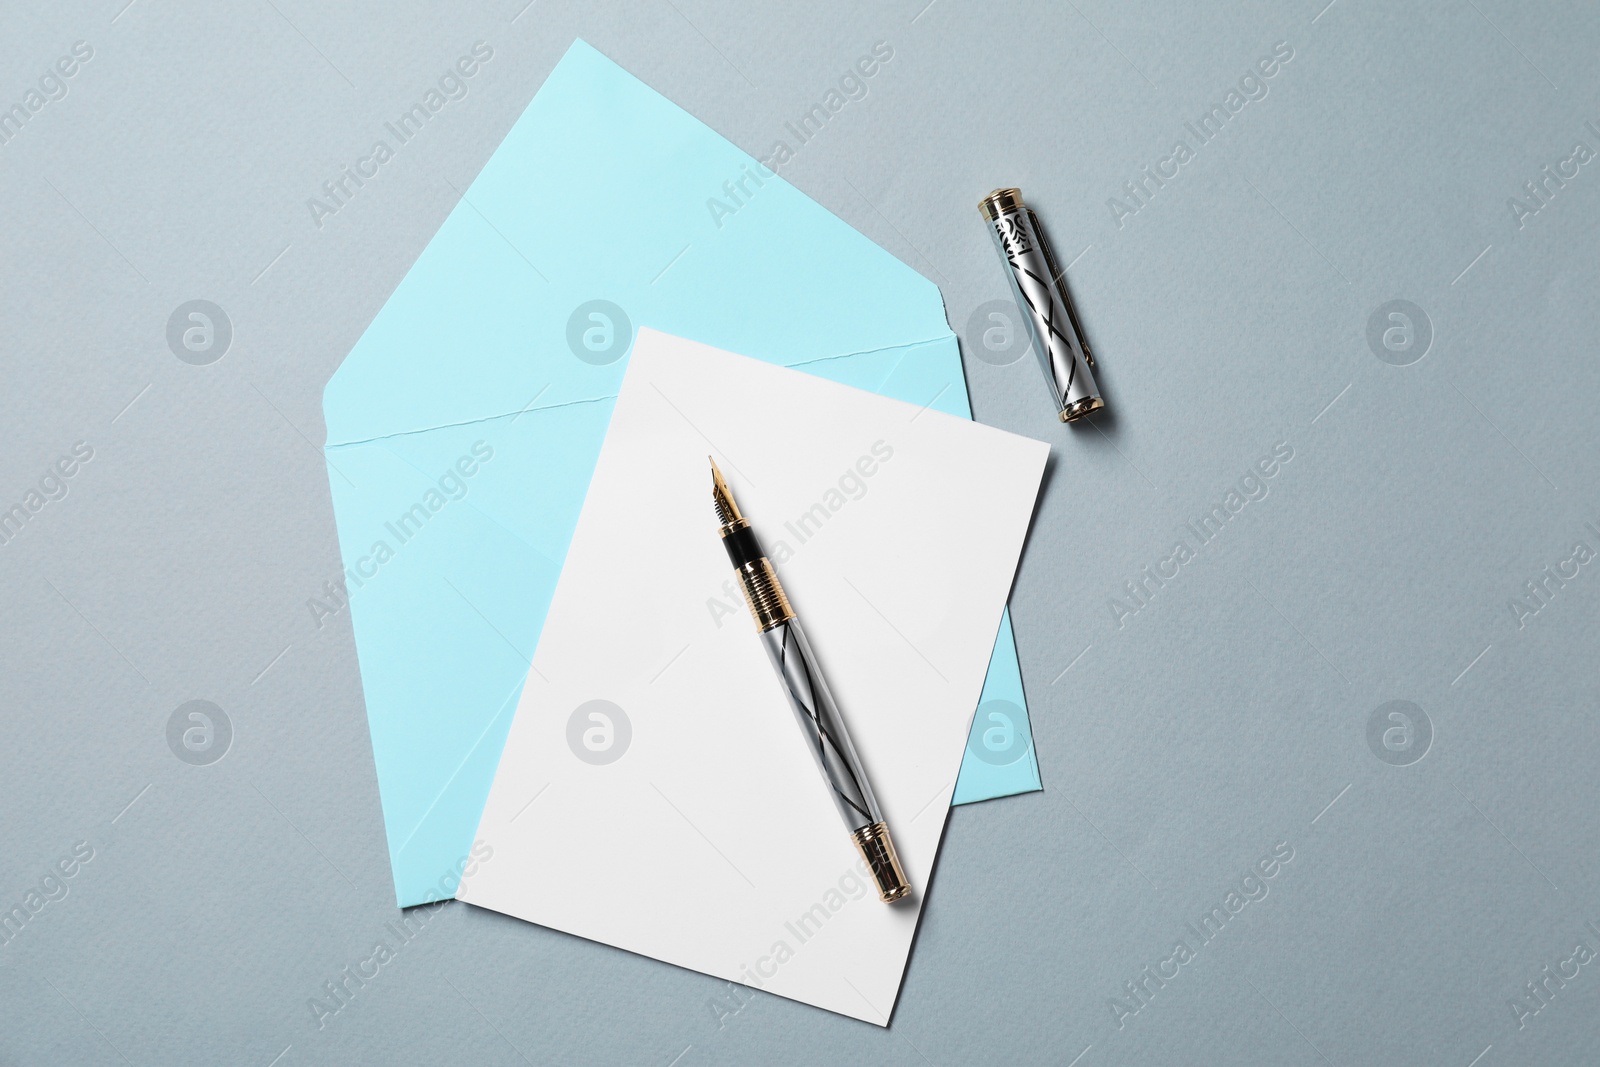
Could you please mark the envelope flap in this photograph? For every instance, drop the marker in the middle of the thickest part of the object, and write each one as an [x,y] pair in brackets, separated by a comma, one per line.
[651,218]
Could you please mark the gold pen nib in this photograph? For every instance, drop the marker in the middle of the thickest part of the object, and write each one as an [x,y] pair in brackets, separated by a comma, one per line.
[727,511]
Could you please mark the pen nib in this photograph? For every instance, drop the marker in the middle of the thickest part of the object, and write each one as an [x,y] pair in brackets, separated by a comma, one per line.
[721,499]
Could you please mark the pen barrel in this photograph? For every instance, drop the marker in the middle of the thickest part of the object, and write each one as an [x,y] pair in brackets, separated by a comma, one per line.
[815,709]
[1040,289]
[822,724]
[826,736]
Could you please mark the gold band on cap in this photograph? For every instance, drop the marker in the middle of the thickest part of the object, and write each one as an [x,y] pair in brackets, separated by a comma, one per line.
[1000,202]
[1078,409]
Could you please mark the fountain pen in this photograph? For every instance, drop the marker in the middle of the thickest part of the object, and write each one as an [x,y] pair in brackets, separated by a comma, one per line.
[814,706]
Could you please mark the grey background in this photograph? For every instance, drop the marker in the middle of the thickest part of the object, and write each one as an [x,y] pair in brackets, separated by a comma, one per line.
[1230,714]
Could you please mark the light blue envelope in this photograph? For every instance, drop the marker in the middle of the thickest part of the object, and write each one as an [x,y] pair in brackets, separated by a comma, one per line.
[465,424]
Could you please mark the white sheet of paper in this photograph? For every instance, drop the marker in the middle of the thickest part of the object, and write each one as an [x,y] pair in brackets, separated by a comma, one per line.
[655,792]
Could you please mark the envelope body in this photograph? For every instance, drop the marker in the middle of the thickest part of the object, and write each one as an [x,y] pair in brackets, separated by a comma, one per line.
[465,424]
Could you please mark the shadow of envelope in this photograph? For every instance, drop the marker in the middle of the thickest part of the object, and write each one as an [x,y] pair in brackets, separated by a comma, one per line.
[465,423]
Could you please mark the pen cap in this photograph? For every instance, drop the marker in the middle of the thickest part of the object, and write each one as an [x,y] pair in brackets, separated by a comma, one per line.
[1039,286]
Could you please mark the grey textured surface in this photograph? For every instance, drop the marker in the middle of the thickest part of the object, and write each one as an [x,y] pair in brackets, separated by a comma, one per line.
[1180,743]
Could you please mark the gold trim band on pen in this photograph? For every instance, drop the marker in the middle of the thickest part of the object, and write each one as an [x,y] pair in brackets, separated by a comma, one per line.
[764,594]
[878,850]
[1000,202]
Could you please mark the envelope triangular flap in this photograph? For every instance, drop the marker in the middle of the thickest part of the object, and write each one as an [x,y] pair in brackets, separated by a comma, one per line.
[478,326]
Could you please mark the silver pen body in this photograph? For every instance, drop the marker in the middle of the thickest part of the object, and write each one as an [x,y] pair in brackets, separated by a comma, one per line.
[816,711]
[821,724]
[1039,287]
